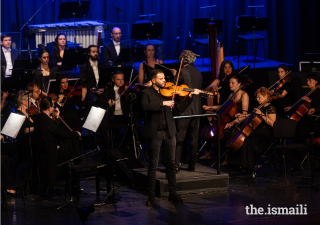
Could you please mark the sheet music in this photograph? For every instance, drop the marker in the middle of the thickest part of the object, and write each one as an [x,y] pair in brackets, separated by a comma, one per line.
[94,118]
[13,125]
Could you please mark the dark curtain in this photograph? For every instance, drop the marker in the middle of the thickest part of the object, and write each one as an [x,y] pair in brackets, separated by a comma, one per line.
[294,25]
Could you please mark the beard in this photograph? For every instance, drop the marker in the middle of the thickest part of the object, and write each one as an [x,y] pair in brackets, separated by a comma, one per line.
[160,85]
[94,58]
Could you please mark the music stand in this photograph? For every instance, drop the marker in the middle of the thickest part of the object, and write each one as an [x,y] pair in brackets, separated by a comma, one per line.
[74,57]
[143,31]
[74,10]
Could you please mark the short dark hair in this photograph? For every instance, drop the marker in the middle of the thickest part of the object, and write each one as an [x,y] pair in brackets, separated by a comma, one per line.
[313,76]
[91,46]
[284,67]
[45,103]
[237,77]
[5,36]
[31,85]
[116,73]
[154,73]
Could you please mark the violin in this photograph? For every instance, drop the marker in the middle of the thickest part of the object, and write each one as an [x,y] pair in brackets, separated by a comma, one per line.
[226,112]
[301,107]
[126,88]
[279,84]
[239,137]
[182,91]
[33,110]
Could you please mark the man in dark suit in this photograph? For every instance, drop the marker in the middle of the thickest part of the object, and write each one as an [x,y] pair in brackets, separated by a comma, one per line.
[8,55]
[159,129]
[56,136]
[113,49]
[191,77]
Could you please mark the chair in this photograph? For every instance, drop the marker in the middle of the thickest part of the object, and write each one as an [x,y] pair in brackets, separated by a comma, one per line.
[245,23]
[286,128]
[12,184]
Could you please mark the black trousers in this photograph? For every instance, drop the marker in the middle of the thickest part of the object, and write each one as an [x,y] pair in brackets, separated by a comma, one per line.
[169,146]
[191,127]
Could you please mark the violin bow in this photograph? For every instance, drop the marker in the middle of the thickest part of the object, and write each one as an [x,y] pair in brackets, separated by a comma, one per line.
[127,87]
[70,92]
[175,87]
[280,80]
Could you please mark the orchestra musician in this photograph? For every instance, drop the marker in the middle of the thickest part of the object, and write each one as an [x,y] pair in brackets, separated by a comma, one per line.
[35,91]
[222,80]
[246,157]
[148,65]
[8,55]
[55,136]
[242,101]
[60,44]
[44,72]
[159,129]
[191,77]
[68,103]
[113,49]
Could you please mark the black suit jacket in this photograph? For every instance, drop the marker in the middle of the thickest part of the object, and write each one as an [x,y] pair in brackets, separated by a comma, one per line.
[14,56]
[52,132]
[191,77]
[110,53]
[152,104]
[87,78]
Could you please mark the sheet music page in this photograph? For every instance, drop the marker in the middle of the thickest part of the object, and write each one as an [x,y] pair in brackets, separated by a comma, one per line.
[94,118]
[13,125]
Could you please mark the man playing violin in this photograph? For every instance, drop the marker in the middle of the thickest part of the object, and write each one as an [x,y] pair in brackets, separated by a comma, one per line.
[160,130]
[68,100]
[35,91]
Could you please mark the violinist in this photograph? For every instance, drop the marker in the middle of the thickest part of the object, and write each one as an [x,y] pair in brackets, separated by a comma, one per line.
[60,44]
[246,157]
[222,80]
[314,98]
[148,65]
[242,101]
[68,100]
[160,130]
[55,136]
[44,73]
[289,93]
[191,77]
[35,91]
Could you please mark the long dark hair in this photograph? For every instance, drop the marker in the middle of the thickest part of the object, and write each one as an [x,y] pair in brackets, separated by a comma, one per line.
[221,74]
[284,67]
[56,45]
[145,55]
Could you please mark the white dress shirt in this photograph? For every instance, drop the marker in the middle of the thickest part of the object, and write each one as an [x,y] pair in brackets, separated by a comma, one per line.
[117,47]
[117,103]
[94,65]
[7,55]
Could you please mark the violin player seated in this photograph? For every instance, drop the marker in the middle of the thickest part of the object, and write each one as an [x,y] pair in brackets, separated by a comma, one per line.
[55,135]
[69,98]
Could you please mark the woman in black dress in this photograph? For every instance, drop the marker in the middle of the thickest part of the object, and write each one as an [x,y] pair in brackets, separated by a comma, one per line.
[148,65]
[60,44]
[44,72]
[246,157]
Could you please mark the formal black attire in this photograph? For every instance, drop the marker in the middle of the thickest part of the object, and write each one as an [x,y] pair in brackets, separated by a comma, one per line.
[247,156]
[55,135]
[43,81]
[147,70]
[159,129]
[110,54]
[55,59]
[191,77]
[14,56]
[224,91]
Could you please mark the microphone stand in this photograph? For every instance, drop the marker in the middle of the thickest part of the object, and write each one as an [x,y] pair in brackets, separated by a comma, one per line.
[116,8]
[30,146]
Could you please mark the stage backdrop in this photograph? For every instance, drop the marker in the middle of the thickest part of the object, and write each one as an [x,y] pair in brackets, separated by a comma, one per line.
[294,26]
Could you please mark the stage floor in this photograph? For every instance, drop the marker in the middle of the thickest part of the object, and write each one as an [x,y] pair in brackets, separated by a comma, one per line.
[227,207]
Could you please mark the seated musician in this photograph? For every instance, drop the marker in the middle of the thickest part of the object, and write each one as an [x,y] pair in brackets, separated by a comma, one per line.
[55,136]
[148,65]
[242,101]
[246,157]
[35,91]
[113,49]
[68,103]
[222,80]
[44,72]
[314,98]
[8,55]
[90,72]
[290,91]
[60,44]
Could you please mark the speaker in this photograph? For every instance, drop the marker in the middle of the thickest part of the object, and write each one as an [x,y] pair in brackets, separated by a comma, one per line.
[123,170]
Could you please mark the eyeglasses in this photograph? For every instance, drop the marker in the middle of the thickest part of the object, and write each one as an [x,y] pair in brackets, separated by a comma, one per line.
[37,91]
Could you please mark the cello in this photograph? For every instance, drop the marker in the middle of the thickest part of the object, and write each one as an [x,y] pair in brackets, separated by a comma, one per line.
[226,112]
[238,138]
